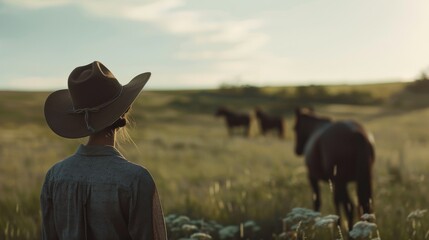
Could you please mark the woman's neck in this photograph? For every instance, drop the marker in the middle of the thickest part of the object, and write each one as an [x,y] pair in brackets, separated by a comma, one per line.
[104,138]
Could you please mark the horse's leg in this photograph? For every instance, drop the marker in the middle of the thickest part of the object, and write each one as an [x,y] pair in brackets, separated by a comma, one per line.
[364,178]
[364,197]
[263,129]
[316,193]
[341,197]
[280,131]
[364,186]
[247,130]
[283,129]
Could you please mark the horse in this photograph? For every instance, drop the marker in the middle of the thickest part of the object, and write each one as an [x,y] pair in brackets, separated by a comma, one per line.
[234,120]
[337,152]
[267,123]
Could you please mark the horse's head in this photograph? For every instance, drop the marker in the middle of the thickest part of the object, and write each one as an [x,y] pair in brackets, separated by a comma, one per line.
[221,111]
[303,128]
[306,123]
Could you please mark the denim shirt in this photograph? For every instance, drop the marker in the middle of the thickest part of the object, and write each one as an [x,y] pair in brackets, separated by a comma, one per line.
[97,194]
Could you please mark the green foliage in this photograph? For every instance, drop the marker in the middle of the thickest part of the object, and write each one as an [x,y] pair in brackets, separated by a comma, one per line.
[413,95]
[420,85]
[303,95]
[315,94]
[242,90]
[180,227]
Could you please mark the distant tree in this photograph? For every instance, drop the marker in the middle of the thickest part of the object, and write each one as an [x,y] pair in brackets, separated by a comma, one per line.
[245,89]
[251,90]
[420,85]
[312,92]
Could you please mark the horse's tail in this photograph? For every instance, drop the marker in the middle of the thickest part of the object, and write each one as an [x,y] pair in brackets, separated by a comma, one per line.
[365,160]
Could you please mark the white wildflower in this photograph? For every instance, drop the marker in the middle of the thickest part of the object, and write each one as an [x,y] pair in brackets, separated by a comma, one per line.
[417,214]
[189,227]
[415,218]
[301,214]
[176,229]
[326,221]
[181,220]
[287,236]
[201,236]
[252,226]
[368,217]
[170,218]
[228,232]
[363,229]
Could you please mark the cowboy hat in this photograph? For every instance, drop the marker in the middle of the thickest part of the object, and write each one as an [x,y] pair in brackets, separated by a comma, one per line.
[93,101]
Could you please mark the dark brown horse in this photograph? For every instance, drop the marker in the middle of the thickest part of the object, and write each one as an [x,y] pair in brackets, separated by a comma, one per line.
[234,120]
[338,152]
[270,123]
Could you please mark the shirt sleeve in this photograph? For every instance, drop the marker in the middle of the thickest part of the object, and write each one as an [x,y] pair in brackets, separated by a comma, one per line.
[48,224]
[160,233]
[146,221]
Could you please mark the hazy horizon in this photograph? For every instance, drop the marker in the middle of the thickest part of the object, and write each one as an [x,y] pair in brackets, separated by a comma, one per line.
[201,44]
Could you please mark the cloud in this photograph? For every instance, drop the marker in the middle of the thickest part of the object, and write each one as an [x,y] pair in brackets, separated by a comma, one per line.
[233,31]
[238,51]
[210,35]
[37,4]
[170,16]
[151,12]
[34,83]
[253,71]
[229,44]
[256,70]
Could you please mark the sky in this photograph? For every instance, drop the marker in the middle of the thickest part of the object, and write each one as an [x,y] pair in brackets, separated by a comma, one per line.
[190,44]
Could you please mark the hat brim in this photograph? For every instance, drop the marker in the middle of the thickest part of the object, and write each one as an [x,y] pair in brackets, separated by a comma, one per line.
[58,110]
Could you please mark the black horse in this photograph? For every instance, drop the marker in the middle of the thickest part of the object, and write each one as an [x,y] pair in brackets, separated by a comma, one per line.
[268,123]
[339,152]
[234,120]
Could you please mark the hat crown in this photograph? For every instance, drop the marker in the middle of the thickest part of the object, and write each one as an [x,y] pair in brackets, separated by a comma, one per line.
[92,85]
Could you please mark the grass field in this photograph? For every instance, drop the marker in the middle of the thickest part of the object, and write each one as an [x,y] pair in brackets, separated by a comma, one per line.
[203,173]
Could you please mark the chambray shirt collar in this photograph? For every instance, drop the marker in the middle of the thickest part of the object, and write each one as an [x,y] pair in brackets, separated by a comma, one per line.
[98,150]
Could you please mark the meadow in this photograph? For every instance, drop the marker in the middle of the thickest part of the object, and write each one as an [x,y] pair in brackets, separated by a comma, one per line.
[203,173]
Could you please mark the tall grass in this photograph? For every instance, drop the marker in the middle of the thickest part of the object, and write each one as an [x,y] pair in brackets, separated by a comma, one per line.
[204,174]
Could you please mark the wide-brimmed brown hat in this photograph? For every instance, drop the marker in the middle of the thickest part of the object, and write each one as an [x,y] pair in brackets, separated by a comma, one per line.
[93,101]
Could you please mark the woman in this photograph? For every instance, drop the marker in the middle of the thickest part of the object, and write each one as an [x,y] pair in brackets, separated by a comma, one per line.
[96,193]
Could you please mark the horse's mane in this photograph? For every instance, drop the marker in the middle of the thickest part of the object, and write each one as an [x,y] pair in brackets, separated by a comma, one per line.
[310,114]
[230,113]
[223,108]
[260,113]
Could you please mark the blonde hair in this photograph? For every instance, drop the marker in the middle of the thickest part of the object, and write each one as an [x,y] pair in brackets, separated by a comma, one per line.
[121,127]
